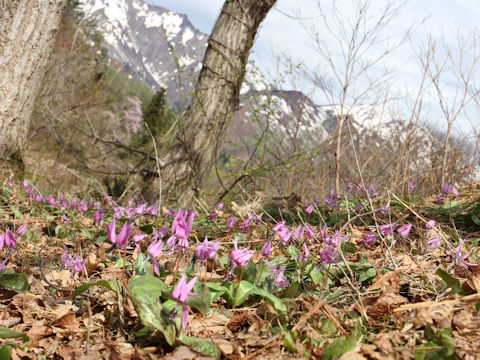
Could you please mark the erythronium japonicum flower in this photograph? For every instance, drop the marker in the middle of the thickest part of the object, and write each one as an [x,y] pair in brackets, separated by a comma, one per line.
[457,255]
[329,255]
[8,239]
[430,224]
[309,209]
[411,186]
[306,254]
[154,250]
[181,228]
[123,236]
[279,278]
[387,229]
[231,222]
[181,293]
[72,264]
[22,230]
[266,249]
[240,257]
[370,239]
[434,242]
[207,249]
[404,230]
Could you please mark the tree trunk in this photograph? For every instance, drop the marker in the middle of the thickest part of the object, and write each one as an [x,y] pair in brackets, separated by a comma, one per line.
[196,147]
[27,35]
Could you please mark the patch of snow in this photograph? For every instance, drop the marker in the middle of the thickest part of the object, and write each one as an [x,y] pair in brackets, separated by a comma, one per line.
[169,21]
[187,35]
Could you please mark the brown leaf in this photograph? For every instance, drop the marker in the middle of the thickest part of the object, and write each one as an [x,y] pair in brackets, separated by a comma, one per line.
[185,353]
[389,281]
[37,332]
[68,321]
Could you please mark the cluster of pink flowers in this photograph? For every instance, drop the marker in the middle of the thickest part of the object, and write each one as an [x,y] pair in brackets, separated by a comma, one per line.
[73,264]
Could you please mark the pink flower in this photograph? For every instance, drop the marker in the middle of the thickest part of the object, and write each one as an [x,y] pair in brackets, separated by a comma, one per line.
[266,249]
[182,226]
[240,257]
[10,184]
[155,248]
[298,233]
[231,222]
[159,234]
[329,255]
[181,293]
[309,231]
[124,235]
[411,186]
[430,224]
[279,278]
[370,239]
[72,264]
[207,249]
[404,230]
[98,216]
[309,209]
[306,254]
[387,229]
[9,239]
[434,242]
[22,230]
[220,206]
[460,258]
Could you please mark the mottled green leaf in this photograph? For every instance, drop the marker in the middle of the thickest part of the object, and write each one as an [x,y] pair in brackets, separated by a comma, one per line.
[14,281]
[18,214]
[112,285]
[339,347]
[6,333]
[451,282]
[200,345]
[289,342]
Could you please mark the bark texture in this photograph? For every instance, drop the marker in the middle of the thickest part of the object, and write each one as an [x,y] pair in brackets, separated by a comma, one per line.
[190,159]
[27,34]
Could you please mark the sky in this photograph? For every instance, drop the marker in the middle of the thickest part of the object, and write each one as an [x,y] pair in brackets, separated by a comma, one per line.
[285,31]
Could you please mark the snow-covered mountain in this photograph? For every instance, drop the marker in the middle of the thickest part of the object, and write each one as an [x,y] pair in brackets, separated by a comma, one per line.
[156,44]
[166,50]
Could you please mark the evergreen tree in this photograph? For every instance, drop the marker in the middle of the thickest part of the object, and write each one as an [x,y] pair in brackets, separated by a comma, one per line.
[157,115]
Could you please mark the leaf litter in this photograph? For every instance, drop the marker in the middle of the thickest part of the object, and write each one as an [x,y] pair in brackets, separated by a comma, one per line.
[346,298]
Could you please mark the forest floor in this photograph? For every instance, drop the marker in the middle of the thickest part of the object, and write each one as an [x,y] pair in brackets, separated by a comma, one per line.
[352,277]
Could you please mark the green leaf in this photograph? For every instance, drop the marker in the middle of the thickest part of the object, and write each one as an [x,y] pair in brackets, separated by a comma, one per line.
[145,291]
[14,281]
[348,247]
[452,283]
[142,265]
[276,302]
[475,219]
[6,333]
[241,291]
[289,342]
[61,232]
[328,327]
[112,285]
[86,234]
[197,302]
[200,345]
[293,290]
[339,347]
[18,214]
[367,274]
[5,351]
[216,290]
[149,283]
